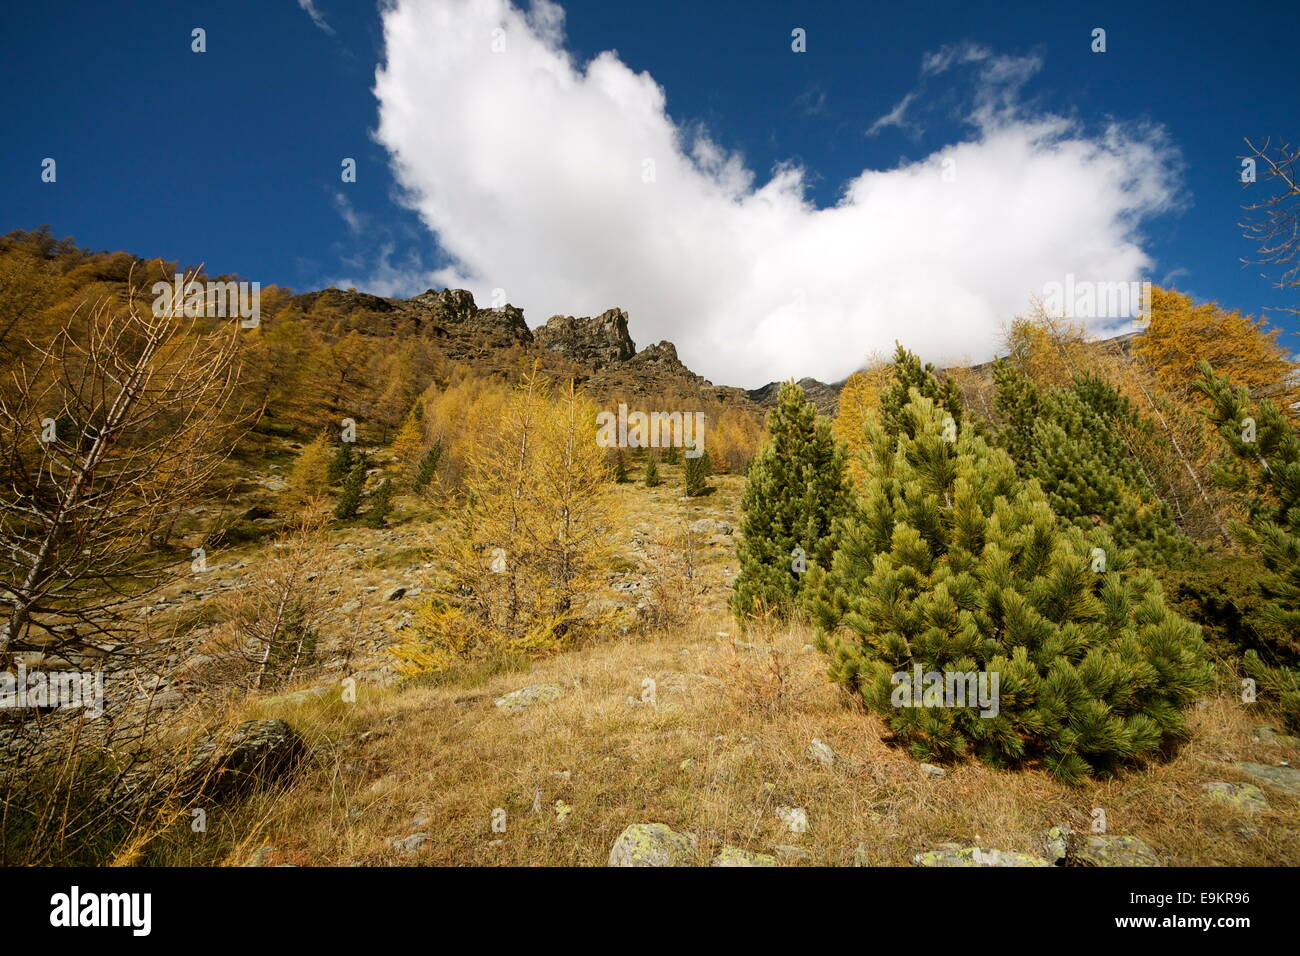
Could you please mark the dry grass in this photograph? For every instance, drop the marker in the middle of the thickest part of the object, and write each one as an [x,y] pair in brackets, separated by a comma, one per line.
[707,761]
[723,748]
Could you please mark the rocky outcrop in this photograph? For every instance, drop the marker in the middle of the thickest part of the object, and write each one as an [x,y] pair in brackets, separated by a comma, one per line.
[452,316]
[826,398]
[597,341]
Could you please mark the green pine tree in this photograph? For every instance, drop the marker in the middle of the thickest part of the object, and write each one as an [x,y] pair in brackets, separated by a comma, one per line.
[341,463]
[1263,468]
[953,564]
[695,474]
[652,479]
[380,506]
[618,467]
[428,466]
[349,502]
[794,492]
[670,455]
[908,373]
[1071,441]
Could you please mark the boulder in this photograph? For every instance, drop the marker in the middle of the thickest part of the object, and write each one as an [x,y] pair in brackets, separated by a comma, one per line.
[259,752]
[652,844]
[526,697]
[1096,849]
[1056,843]
[735,856]
[976,856]
[1286,779]
[1243,796]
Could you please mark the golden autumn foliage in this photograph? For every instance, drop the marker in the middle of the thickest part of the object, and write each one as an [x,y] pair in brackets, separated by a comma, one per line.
[408,444]
[859,397]
[309,479]
[524,561]
[1179,333]
[732,437]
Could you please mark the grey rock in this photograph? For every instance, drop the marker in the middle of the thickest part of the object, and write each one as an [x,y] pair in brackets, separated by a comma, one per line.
[258,753]
[526,697]
[977,856]
[1286,779]
[1243,796]
[652,844]
[795,818]
[822,753]
[395,594]
[409,844]
[735,856]
[1095,849]
[931,770]
[1056,842]
[1263,734]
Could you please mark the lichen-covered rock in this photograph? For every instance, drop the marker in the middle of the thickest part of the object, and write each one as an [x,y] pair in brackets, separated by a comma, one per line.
[1056,843]
[1096,849]
[652,844]
[735,856]
[1286,779]
[1243,796]
[526,697]
[976,856]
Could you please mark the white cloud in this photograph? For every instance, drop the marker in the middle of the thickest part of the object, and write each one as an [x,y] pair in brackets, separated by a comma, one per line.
[348,212]
[309,7]
[529,168]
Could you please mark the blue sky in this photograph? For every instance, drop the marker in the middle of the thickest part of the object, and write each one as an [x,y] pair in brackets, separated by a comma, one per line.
[231,157]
